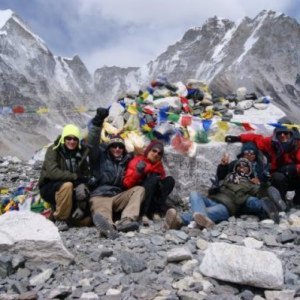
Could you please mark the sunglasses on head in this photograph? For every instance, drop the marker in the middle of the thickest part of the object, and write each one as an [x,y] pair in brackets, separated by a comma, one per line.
[71,138]
[249,152]
[115,146]
[158,152]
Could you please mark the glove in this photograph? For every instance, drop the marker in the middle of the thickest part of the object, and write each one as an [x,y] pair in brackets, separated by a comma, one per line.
[92,183]
[101,114]
[215,186]
[232,139]
[81,192]
[140,167]
[290,171]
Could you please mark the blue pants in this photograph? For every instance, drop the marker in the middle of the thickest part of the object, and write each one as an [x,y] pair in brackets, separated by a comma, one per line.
[216,211]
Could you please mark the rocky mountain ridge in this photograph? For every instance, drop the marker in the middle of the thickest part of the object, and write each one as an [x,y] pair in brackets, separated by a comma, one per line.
[260,54]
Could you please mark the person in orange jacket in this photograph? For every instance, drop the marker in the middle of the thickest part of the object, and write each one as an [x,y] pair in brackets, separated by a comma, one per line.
[148,171]
[283,151]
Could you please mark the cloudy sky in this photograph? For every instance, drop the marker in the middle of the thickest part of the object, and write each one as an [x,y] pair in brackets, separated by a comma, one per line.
[128,32]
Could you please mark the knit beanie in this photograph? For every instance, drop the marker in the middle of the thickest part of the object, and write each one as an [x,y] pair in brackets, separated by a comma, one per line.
[116,139]
[69,130]
[155,145]
[248,146]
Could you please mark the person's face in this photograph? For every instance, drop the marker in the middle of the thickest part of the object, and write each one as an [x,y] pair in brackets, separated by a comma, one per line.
[243,169]
[71,142]
[250,155]
[117,150]
[154,155]
[284,136]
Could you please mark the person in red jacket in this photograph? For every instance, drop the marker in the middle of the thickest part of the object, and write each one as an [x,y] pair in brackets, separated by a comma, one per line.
[148,171]
[283,151]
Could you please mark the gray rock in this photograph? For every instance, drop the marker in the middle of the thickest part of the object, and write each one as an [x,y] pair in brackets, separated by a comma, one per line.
[32,236]
[282,295]
[178,254]
[242,265]
[131,263]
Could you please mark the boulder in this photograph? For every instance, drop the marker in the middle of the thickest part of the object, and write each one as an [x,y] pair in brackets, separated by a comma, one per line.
[242,265]
[32,236]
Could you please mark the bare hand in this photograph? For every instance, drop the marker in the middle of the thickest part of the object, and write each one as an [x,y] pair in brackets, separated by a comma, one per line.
[255,180]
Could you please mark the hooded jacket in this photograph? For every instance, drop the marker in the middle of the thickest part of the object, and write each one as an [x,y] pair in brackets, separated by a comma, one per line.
[276,158]
[233,194]
[56,166]
[108,171]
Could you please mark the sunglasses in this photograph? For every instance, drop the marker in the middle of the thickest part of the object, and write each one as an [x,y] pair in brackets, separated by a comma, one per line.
[119,146]
[71,138]
[156,151]
[251,152]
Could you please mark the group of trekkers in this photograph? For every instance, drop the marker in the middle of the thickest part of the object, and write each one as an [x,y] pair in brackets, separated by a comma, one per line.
[91,182]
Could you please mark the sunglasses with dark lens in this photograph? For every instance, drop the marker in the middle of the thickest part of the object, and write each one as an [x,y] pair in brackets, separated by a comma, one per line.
[156,151]
[119,146]
[249,152]
[71,138]
[284,133]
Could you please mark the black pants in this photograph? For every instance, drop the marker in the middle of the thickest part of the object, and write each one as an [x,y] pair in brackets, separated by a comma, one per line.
[156,192]
[285,184]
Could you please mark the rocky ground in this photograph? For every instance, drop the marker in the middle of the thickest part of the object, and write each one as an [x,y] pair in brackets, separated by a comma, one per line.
[149,264]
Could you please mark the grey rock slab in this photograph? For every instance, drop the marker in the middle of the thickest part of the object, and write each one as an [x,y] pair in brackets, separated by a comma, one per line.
[280,295]
[41,278]
[178,254]
[131,263]
[33,236]
[242,265]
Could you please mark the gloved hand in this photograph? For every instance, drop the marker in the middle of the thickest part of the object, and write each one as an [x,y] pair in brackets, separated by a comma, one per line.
[215,186]
[92,183]
[232,139]
[140,167]
[101,114]
[81,192]
[289,171]
[78,214]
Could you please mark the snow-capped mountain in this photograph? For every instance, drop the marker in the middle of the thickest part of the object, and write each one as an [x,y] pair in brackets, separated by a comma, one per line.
[262,54]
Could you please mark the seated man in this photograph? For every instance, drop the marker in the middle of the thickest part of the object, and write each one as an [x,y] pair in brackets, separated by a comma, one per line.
[65,169]
[237,194]
[283,151]
[108,163]
[148,171]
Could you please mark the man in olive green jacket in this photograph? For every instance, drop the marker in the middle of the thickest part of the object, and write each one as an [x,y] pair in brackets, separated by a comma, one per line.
[64,175]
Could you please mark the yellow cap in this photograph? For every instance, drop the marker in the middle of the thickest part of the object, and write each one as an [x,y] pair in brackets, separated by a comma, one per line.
[69,130]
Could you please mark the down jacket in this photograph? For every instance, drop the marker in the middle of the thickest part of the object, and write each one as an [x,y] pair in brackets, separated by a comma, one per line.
[55,167]
[108,171]
[133,177]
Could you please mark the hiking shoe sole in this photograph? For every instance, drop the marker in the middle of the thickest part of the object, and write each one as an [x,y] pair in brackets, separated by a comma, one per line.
[104,227]
[270,209]
[203,221]
[172,220]
[132,226]
[275,196]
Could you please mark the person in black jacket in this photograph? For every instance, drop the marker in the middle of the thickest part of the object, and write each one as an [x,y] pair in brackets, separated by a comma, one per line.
[64,177]
[109,162]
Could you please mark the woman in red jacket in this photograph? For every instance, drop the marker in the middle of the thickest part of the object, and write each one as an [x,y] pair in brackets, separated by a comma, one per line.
[148,170]
[283,151]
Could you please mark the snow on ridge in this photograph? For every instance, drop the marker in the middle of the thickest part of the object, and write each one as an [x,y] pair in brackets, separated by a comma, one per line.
[5,15]
[252,38]
[41,43]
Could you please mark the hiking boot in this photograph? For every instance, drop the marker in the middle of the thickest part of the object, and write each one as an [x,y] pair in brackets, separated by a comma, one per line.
[61,225]
[270,209]
[104,227]
[172,220]
[156,218]
[274,195]
[145,221]
[126,224]
[203,221]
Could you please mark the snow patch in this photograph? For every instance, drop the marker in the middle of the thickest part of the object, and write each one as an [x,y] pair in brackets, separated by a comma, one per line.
[5,15]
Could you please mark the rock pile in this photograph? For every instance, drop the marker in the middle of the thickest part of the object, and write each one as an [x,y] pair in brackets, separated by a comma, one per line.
[260,260]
